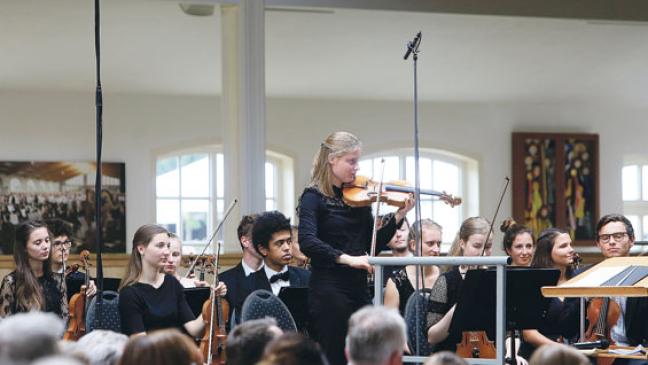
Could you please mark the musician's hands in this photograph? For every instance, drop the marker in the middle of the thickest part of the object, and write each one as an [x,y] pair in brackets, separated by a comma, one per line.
[356,262]
[409,204]
[91,290]
[220,289]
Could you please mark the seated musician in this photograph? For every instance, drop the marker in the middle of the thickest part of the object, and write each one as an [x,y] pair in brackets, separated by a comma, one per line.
[61,244]
[443,297]
[403,282]
[561,323]
[175,258]
[32,286]
[235,278]
[615,237]
[399,245]
[518,242]
[150,299]
[272,238]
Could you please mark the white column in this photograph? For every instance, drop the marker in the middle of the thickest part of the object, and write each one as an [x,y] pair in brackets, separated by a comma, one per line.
[243,110]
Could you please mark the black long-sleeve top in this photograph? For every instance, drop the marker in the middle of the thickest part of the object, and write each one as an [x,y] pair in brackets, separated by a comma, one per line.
[329,228]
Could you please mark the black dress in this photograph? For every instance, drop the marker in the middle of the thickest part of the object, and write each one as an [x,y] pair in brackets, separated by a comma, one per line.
[329,228]
[53,290]
[443,296]
[404,287]
[144,308]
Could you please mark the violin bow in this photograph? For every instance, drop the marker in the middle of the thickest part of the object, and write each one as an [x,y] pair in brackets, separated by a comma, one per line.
[499,204]
[374,233]
[212,295]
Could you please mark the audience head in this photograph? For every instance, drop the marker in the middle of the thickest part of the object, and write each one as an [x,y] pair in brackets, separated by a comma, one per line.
[150,247]
[432,237]
[175,254]
[32,245]
[244,232]
[164,347]
[272,238]
[469,241]
[293,349]
[399,242]
[445,358]
[376,336]
[553,249]
[557,354]
[614,235]
[20,332]
[59,360]
[101,347]
[247,341]
[61,234]
[331,152]
[518,242]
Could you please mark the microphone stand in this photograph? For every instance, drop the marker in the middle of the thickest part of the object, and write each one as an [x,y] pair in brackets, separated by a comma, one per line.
[413,49]
[220,225]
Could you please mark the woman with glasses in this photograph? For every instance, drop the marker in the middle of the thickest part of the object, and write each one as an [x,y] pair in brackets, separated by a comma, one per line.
[33,286]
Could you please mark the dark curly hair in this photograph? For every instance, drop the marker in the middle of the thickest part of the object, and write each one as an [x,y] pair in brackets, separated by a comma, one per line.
[511,230]
[59,227]
[267,224]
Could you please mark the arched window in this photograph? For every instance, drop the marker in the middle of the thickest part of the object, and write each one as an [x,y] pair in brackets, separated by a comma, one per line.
[635,197]
[439,171]
[190,191]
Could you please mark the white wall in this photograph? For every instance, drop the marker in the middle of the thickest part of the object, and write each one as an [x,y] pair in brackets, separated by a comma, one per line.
[60,126]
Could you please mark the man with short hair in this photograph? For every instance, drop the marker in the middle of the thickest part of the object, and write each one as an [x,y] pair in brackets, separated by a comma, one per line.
[376,336]
[236,277]
[247,341]
[615,237]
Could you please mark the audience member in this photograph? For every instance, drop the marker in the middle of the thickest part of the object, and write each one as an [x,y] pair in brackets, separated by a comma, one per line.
[101,347]
[445,358]
[163,347]
[293,349]
[60,360]
[247,341]
[557,354]
[376,337]
[25,337]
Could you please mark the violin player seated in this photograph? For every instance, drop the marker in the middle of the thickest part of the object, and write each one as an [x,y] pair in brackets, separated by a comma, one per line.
[272,238]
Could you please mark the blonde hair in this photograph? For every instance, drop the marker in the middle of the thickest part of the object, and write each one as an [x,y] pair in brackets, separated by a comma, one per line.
[472,225]
[415,235]
[143,236]
[558,355]
[335,145]
[163,347]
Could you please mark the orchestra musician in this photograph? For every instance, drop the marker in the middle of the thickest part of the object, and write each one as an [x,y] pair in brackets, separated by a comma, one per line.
[518,242]
[150,299]
[615,237]
[470,241]
[403,283]
[399,245]
[272,238]
[554,250]
[174,260]
[236,277]
[33,285]
[337,238]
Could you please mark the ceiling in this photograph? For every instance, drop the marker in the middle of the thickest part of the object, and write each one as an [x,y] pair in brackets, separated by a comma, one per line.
[152,47]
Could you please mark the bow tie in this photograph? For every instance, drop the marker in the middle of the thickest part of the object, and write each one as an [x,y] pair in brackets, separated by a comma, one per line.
[281,276]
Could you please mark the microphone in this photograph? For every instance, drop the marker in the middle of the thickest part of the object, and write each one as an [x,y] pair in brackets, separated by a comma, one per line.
[413,45]
[600,344]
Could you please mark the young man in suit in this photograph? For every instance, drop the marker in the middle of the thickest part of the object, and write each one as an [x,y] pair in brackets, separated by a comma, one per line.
[236,278]
[615,237]
[272,238]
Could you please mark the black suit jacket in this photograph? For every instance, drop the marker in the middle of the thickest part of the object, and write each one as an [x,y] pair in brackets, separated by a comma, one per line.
[237,290]
[299,278]
[636,321]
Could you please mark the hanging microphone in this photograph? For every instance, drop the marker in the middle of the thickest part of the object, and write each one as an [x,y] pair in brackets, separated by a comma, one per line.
[600,344]
[413,45]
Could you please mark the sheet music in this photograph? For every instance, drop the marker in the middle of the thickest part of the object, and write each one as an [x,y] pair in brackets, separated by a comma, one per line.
[596,277]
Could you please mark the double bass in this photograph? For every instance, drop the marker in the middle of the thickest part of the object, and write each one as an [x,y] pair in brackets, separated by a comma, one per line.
[77,326]
[215,313]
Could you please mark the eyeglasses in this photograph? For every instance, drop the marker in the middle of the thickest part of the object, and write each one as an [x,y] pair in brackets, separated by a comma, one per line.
[618,236]
[64,244]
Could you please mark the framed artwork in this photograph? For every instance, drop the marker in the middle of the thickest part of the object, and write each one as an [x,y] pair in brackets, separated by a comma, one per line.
[64,190]
[555,182]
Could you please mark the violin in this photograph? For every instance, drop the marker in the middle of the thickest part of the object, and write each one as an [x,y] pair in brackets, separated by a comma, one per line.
[77,326]
[215,314]
[363,192]
[475,344]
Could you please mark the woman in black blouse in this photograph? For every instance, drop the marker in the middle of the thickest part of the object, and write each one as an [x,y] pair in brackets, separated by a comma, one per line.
[149,299]
[33,286]
[337,238]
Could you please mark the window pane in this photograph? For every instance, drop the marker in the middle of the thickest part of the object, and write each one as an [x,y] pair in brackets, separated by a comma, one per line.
[220,209]
[392,169]
[366,168]
[220,176]
[167,177]
[168,214]
[636,224]
[643,232]
[195,175]
[644,182]
[425,169]
[270,205]
[269,180]
[449,220]
[630,181]
[195,217]
[446,177]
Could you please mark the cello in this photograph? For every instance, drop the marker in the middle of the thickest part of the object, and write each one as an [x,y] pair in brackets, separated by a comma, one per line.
[215,313]
[77,326]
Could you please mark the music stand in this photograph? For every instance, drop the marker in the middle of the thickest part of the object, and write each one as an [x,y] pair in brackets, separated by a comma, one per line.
[525,304]
[296,299]
[196,297]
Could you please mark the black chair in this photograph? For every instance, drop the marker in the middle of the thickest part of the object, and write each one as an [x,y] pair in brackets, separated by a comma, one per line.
[110,319]
[262,303]
[416,320]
